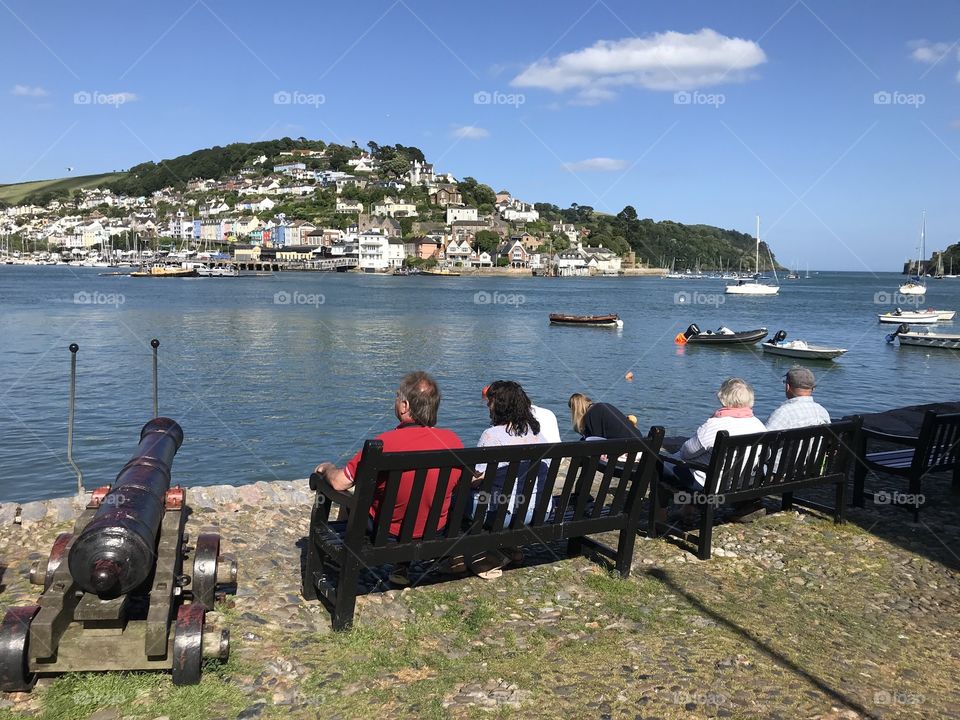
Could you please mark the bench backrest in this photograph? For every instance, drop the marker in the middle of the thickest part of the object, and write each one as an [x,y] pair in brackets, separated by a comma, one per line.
[780,457]
[939,442]
[568,483]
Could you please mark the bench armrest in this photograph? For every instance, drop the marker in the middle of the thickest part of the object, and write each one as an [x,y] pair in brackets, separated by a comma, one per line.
[890,437]
[319,484]
[685,463]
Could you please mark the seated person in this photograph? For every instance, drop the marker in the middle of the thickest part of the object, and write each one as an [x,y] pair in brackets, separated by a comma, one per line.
[800,409]
[735,416]
[599,420]
[416,405]
[512,423]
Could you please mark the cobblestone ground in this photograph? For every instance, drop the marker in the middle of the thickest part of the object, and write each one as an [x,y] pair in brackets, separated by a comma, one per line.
[794,617]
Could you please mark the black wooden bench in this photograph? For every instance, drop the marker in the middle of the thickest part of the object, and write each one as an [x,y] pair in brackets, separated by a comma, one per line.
[936,448]
[748,467]
[581,506]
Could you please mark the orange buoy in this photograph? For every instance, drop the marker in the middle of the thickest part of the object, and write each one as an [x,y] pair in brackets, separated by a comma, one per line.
[680,339]
[629,375]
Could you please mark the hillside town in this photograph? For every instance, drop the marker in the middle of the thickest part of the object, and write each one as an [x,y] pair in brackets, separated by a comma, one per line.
[293,211]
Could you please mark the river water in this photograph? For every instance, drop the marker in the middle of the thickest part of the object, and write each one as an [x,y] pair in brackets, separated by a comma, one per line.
[270,375]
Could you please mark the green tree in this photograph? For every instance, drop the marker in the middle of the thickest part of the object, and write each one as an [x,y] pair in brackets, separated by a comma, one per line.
[487,241]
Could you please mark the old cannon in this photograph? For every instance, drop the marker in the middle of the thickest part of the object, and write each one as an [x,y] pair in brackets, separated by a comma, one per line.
[115,594]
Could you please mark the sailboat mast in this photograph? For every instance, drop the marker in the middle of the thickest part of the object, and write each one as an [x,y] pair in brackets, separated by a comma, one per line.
[923,249]
[758,246]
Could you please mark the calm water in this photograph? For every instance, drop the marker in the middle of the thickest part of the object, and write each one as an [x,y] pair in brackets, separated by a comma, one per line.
[265,390]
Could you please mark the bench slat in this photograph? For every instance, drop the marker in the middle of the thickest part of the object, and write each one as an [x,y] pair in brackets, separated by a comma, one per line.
[546,494]
[382,526]
[431,529]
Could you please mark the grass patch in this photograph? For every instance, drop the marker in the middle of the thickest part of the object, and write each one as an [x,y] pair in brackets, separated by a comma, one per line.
[15,193]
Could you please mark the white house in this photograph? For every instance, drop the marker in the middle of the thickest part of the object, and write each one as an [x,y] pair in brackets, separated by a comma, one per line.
[459,251]
[528,214]
[395,208]
[460,214]
[420,173]
[87,235]
[256,205]
[345,207]
[180,226]
[374,251]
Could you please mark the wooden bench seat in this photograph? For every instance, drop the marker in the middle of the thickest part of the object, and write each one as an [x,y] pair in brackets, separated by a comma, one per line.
[580,496]
[749,467]
[935,448]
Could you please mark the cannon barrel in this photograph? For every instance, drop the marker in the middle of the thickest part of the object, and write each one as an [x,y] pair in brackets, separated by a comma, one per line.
[116,552]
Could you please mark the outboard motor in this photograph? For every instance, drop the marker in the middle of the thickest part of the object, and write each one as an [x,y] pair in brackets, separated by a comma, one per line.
[902,328]
[780,336]
[681,338]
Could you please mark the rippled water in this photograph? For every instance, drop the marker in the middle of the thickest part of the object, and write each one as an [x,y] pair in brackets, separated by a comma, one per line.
[265,390]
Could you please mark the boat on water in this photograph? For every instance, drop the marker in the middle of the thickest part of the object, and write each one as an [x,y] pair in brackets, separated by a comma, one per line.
[914,316]
[218,271]
[916,284]
[743,287]
[721,336]
[906,336]
[443,272]
[586,320]
[165,271]
[778,345]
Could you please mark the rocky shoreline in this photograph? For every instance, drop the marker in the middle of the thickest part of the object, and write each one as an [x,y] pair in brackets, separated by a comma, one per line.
[795,617]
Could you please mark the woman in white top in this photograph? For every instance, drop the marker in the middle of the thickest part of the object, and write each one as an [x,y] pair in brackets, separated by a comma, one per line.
[512,423]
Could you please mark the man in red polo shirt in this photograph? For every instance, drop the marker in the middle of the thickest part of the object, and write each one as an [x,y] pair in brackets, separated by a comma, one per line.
[416,405]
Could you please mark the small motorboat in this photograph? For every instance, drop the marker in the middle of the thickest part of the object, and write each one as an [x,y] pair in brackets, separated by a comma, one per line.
[917,317]
[777,345]
[924,339]
[587,320]
[218,271]
[721,336]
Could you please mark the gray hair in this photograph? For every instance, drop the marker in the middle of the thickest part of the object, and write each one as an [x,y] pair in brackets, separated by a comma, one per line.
[735,393]
[422,393]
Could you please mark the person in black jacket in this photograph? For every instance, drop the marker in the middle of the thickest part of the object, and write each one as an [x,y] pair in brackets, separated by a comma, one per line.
[600,420]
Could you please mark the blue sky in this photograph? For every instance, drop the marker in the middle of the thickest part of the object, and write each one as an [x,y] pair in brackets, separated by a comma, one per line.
[777,111]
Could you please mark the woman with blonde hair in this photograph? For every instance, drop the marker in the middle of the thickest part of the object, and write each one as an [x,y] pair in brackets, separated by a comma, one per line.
[735,415]
[599,420]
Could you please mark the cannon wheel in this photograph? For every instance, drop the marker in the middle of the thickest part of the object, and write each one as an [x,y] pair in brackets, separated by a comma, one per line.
[188,644]
[57,554]
[204,583]
[15,675]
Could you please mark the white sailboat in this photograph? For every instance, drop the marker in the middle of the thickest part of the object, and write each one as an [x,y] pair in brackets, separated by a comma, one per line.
[756,287]
[916,285]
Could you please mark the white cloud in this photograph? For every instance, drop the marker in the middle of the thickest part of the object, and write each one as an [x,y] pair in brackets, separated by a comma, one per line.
[470,132]
[599,164]
[663,61]
[28,91]
[930,52]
